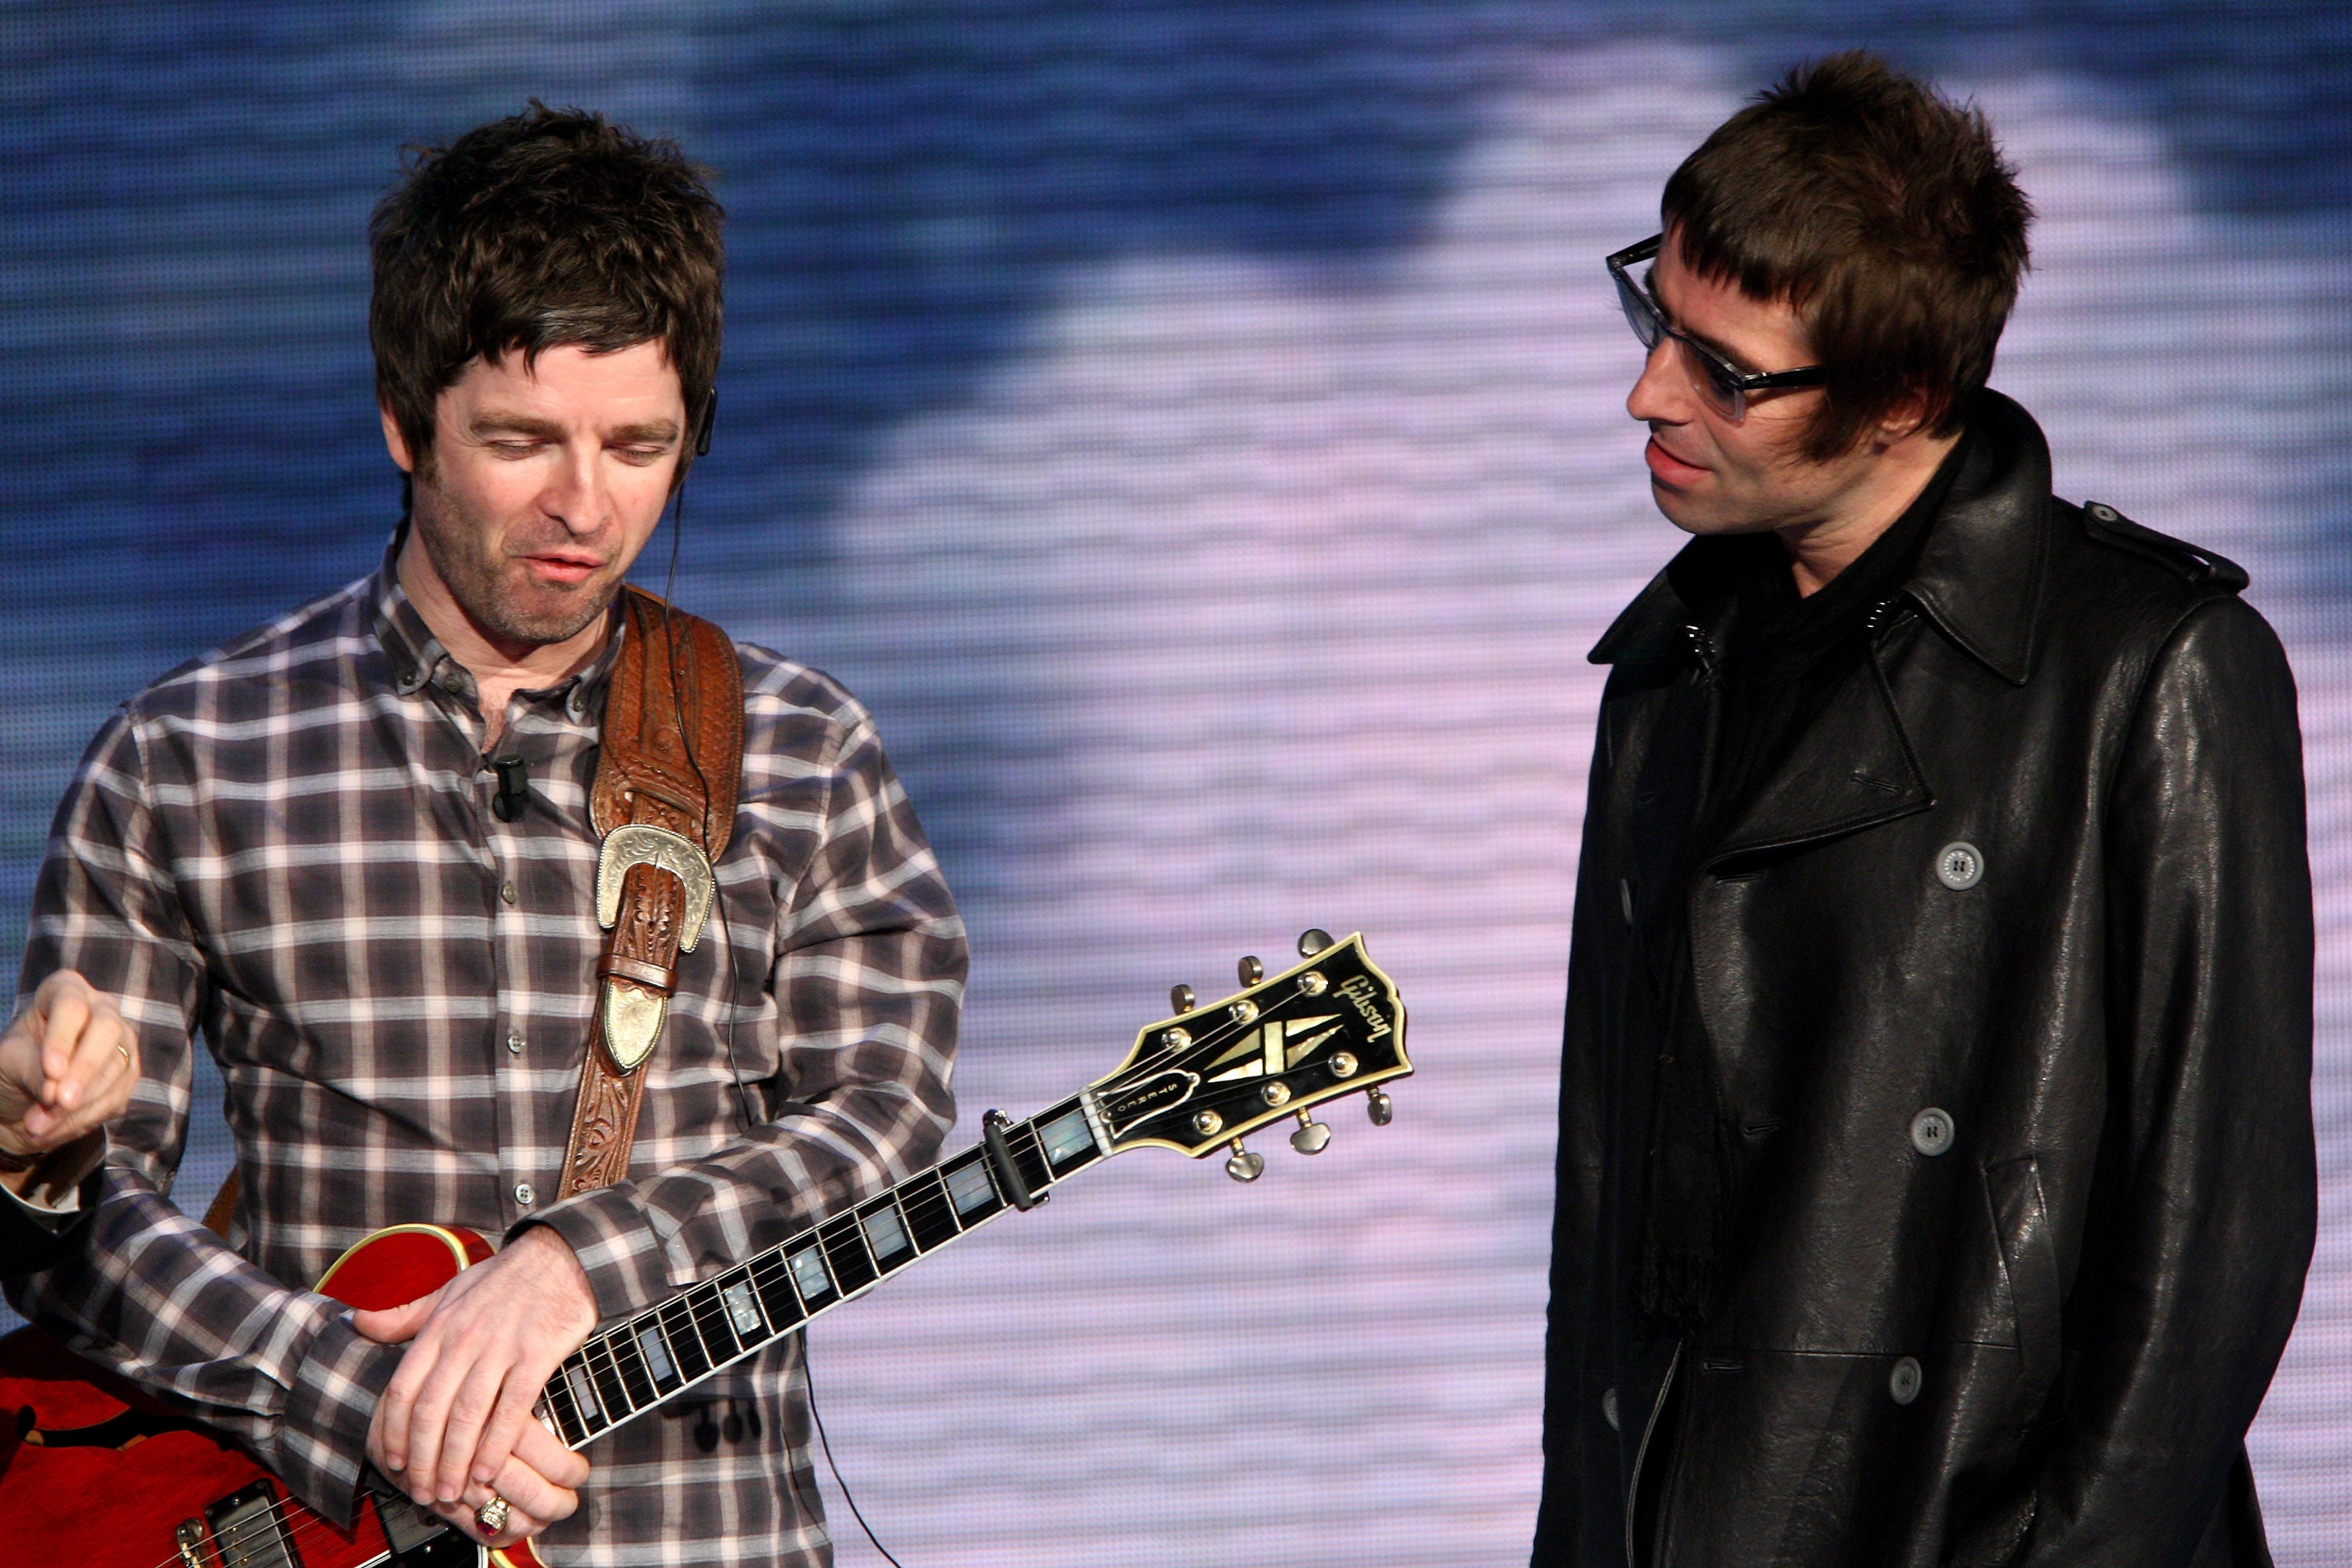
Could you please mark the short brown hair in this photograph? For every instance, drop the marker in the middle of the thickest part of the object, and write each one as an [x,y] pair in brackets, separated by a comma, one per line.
[1884,214]
[552,227]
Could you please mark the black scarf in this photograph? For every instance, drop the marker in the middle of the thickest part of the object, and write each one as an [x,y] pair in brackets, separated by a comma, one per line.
[1777,660]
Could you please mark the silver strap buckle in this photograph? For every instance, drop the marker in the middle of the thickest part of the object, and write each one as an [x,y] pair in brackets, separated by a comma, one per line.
[641,844]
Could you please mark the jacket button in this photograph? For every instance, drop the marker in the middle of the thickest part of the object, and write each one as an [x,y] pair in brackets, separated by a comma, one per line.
[1609,1409]
[1931,1130]
[1903,1382]
[1959,866]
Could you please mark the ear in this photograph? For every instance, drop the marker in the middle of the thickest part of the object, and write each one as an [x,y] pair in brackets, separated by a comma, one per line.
[396,442]
[1909,417]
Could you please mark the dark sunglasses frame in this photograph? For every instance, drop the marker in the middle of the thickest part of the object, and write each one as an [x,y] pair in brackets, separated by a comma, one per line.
[1724,384]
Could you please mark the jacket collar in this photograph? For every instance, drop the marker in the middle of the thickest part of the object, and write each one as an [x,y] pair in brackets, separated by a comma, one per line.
[1979,571]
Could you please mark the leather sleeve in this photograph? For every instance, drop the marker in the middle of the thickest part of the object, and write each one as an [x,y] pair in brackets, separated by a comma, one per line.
[2205,1191]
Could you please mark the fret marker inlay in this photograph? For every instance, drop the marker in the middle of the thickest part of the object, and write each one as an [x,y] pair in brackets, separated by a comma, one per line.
[741,1309]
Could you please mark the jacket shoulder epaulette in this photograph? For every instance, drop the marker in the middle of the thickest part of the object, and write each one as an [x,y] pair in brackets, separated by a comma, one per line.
[2192,562]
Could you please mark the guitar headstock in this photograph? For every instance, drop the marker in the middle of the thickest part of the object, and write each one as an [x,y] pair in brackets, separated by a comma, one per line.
[1204,1076]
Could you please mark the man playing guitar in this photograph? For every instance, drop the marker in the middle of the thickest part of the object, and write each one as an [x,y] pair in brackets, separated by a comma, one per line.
[359,851]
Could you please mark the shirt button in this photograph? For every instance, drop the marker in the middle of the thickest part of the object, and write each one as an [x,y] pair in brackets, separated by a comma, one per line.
[1903,1382]
[507,891]
[514,1043]
[1931,1130]
[523,1195]
[1959,866]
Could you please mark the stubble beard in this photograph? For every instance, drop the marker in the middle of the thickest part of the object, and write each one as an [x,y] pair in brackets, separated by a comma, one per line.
[481,581]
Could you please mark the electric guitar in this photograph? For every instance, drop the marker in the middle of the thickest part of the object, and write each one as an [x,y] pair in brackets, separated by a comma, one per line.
[95,1473]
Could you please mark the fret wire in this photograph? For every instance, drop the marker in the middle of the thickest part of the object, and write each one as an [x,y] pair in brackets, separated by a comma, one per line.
[591,1412]
[635,1371]
[679,1325]
[931,1200]
[596,1418]
[811,1246]
[610,1386]
[746,1277]
[652,1320]
[925,1203]
[1036,1147]
[846,1233]
[771,1276]
[896,1210]
[566,1411]
[932,1218]
[711,1308]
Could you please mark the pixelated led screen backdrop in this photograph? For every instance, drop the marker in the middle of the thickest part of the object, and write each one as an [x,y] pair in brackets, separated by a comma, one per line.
[1196,430]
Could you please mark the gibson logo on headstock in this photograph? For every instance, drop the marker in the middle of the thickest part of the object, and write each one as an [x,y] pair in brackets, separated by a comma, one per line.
[1362,992]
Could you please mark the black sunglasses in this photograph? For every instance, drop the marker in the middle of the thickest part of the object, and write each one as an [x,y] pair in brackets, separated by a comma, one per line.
[1725,386]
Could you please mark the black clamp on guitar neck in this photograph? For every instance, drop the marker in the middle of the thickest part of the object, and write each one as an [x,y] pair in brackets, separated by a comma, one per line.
[1000,1154]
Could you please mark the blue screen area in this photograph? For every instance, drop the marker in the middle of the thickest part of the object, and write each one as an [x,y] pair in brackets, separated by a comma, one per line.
[1196,430]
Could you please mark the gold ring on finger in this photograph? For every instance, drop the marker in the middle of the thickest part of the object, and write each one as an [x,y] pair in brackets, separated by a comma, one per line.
[492,1515]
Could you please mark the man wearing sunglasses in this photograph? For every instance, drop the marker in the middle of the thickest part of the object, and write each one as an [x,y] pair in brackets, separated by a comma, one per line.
[1936,1177]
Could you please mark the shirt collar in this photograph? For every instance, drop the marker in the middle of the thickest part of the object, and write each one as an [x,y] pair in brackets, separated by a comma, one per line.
[417,658]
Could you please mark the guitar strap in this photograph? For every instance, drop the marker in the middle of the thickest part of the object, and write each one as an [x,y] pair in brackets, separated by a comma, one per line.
[668,767]
[670,762]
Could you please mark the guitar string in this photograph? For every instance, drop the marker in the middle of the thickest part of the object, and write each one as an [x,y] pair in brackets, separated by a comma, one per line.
[309,1524]
[280,1511]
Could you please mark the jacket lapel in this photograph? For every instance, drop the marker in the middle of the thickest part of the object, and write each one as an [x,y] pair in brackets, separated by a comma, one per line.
[1853,768]
[1978,583]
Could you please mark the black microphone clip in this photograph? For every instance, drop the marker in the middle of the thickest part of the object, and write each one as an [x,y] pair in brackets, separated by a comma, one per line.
[514,787]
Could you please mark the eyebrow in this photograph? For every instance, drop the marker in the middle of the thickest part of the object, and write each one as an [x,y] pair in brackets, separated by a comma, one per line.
[1738,361]
[657,431]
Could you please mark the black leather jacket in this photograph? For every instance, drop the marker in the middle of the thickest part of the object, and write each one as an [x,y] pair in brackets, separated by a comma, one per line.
[2007,974]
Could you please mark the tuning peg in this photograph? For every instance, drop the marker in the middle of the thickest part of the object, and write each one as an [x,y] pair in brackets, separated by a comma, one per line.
[1180,998]
[1312,941]
[1251,970]
[1379,1105]
[1244,1166]
[1312,1136]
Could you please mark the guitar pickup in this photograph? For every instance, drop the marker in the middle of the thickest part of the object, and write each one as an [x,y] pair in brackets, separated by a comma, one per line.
[249,1529]
[418,1539]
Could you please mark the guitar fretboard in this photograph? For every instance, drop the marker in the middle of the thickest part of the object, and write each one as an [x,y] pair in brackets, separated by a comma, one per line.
[637,1364]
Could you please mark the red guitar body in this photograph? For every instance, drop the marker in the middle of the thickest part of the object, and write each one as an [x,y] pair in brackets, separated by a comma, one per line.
[97,1474]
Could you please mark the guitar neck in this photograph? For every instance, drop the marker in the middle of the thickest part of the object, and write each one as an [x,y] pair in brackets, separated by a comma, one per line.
[626,1370]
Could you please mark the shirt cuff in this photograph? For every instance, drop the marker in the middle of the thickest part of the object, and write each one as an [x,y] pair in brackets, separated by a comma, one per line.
[322,1440]
[63,1175]
[628,1266]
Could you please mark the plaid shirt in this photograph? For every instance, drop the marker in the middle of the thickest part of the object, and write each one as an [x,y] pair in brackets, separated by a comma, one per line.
[288,845]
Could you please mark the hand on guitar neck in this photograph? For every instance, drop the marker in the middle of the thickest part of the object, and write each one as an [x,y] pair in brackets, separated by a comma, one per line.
[455,1423]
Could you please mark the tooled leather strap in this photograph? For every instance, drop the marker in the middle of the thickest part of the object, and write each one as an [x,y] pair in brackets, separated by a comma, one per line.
[670,760]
